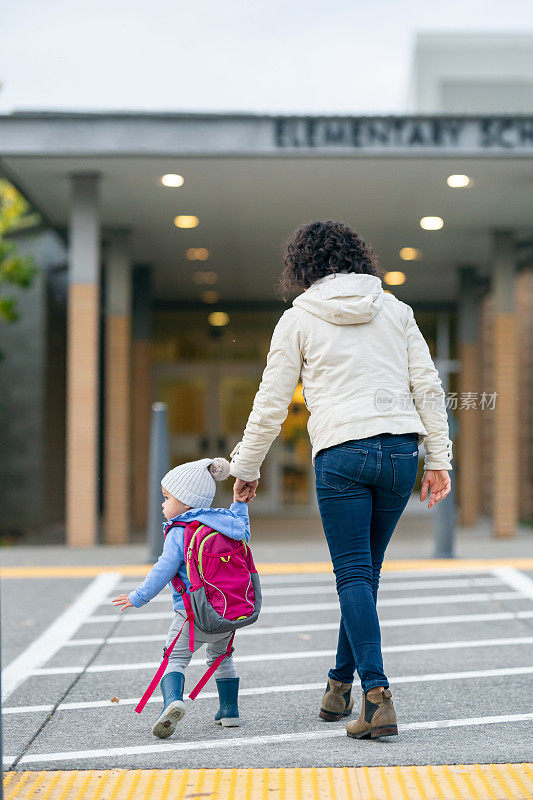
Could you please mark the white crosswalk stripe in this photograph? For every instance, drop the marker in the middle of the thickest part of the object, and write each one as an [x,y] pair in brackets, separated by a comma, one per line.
[481,597]
[255,741]
[259,630]
[391,586]
[293,654]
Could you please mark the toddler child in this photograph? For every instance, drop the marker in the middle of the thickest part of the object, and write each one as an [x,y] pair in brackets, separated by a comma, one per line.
[188,491]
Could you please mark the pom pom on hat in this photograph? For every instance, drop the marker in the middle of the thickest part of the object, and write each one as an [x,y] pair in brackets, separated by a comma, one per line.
[219,469]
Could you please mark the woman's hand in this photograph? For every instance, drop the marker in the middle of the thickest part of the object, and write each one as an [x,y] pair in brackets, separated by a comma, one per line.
[244,491]
[122,600]
[438,482]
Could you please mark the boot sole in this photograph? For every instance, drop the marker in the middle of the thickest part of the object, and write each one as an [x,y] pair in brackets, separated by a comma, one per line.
[228,722]
[165,725]
[330,716]
[375,733]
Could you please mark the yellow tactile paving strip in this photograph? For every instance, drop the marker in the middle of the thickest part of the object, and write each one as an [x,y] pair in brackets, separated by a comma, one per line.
[270,568]
[458,782]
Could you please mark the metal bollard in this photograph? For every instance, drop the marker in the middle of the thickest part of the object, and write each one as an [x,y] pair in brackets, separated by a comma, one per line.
[445,519]
[444,524]
[159,465]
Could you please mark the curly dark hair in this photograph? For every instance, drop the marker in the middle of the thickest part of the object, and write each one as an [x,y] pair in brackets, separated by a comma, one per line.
[318,248]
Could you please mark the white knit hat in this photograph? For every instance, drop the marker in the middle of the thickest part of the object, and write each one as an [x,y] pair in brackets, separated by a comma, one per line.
[193,483]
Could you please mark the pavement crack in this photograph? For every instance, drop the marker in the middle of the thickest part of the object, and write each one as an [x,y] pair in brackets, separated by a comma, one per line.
[65,694]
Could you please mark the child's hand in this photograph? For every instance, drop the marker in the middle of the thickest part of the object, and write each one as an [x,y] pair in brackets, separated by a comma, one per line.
[244,491]
[122,600]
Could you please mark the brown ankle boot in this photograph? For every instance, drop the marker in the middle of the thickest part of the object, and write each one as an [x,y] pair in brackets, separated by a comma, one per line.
[377,717]
[337,701]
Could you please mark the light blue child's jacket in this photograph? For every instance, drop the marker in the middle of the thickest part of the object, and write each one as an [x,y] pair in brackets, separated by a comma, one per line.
[233,522]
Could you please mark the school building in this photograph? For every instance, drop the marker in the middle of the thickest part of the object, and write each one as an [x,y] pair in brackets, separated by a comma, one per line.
[160,251]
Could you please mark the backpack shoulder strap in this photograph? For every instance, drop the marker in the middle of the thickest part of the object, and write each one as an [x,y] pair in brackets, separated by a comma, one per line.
[176,581]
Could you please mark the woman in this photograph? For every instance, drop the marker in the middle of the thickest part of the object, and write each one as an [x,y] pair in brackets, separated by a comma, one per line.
[374,395]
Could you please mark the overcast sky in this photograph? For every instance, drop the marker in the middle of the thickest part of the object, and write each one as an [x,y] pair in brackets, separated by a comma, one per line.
[233,55]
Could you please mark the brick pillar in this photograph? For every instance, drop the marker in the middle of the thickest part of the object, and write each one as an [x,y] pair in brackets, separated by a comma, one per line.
[82,363]
[469,439]
[142,395]
[524,306]
[506,412]
[118,388]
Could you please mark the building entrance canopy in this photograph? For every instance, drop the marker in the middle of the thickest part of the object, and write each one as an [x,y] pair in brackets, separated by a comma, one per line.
[251,180]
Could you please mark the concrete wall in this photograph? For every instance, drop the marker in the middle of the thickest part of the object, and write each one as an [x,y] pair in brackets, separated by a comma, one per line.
[472,73]
[24,414]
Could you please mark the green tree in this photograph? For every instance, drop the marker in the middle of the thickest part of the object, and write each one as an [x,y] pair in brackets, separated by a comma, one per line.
[15,270]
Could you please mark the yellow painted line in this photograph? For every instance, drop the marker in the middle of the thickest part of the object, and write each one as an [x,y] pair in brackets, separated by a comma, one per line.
[460,782]
[272,568]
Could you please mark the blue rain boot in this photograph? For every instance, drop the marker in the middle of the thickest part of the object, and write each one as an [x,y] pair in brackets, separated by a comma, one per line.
[228,713]
[173,706]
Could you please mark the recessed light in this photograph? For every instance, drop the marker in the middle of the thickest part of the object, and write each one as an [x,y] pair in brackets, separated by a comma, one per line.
[210,296]
[394,278]
[410,254]
[171,179]
[218,319]
[458,181]
[205,277]
[197,254]
[431,223]
[186,221]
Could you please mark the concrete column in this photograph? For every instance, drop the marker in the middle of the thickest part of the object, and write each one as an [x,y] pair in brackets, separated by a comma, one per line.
[118,389]
[506,411]
[142,394]
[469,449]
[82,363]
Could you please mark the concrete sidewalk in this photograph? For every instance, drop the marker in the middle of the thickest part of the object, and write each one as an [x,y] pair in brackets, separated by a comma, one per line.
[283,539]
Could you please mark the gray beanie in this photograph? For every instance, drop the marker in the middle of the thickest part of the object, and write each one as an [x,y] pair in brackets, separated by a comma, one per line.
[193,483]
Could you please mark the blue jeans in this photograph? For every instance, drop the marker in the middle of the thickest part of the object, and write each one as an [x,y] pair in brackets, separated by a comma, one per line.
[362,487]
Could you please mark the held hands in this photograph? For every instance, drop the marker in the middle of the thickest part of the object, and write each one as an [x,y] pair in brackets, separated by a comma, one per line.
[244,491]
[122,600]
[438,482]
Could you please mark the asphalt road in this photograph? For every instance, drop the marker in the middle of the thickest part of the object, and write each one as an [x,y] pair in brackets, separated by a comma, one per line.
[458,650]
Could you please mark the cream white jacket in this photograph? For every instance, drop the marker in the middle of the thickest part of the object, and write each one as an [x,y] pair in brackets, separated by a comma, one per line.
[365,369]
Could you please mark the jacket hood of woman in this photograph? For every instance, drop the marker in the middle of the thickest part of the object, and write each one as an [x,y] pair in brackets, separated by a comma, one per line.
[343,298]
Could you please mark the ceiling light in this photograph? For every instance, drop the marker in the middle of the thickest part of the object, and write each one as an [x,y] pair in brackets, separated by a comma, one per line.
[394,278]
[172,179]
[458,181]
[197,254]
[410,254]
[205,277]
[218,319]
[210,296]
[431,223]
[186,221]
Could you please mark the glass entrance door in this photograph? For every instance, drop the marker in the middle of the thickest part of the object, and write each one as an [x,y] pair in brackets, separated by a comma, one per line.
[208,405]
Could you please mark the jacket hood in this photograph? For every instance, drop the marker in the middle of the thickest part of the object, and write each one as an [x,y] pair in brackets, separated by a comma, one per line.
[343,298]
[223,520]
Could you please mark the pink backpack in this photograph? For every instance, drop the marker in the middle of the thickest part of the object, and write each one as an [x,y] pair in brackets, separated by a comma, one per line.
[225,592]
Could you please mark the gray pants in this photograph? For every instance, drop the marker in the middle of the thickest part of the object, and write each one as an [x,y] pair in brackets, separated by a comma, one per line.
[181,655]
